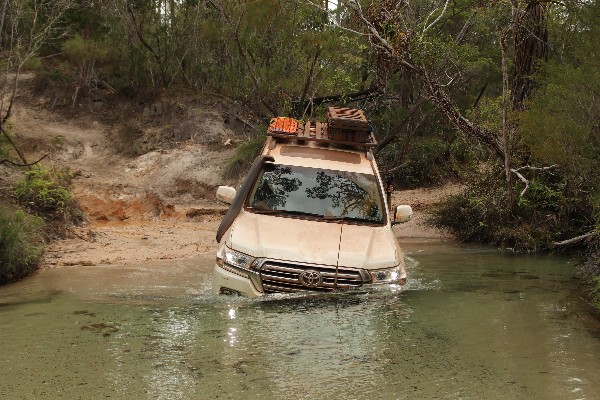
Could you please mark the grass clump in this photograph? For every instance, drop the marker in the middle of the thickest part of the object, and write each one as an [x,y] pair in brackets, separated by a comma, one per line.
[21,244]
[45,192]
[243,157]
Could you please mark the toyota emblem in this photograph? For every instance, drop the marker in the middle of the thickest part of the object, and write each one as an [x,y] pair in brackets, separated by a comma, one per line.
[311,278]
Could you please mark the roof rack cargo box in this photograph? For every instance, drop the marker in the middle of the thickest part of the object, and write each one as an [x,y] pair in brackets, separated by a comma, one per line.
[348,125]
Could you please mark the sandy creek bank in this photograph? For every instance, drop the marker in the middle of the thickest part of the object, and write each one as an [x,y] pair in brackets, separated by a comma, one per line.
[134,242]
[146,175]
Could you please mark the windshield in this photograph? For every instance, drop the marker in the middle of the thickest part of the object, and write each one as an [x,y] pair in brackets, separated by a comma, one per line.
[322,193]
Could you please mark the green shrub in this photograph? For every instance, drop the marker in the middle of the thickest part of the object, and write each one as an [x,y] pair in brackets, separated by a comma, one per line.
[549,211]
[595,291]
[33,64]
[21,244]
[244,156]
[45,192]
[590,270]
[427,162]
[50,75]
[473,214]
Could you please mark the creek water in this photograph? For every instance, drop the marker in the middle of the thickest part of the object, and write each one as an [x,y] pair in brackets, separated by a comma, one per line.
[472,323]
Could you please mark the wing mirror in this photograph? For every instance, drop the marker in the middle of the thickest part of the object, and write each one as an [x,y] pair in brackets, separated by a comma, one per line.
[226,194]
[403,214]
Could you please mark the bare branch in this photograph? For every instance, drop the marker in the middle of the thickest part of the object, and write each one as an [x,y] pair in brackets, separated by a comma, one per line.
[436,20]
[528,167]
[25,45]
[465,29]
[310,77]
[244,54]
[522,179]
[7,161]
[517,172]
[396,130]
[575,239]
[13,145]
[356,7]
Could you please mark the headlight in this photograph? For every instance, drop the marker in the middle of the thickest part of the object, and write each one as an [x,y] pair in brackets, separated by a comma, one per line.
[389,275]
[233,258]
[225,255]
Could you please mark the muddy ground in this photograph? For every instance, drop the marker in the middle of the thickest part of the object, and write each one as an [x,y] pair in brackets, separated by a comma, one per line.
[146,174]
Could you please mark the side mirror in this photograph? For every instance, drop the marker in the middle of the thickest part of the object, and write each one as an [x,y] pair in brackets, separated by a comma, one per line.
[403,214]
[226,194]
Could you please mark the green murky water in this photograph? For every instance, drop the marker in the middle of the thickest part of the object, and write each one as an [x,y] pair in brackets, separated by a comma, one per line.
[472,324]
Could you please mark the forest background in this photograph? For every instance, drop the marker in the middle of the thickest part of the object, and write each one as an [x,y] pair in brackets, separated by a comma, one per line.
[502,95]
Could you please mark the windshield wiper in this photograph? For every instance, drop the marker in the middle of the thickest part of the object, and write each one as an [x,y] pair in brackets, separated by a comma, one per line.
[352,219]
[291,212]
[295,212]
[264,211]
[333,218]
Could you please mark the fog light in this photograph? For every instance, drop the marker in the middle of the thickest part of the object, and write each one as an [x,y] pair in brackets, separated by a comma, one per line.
[390,275]
[229,292]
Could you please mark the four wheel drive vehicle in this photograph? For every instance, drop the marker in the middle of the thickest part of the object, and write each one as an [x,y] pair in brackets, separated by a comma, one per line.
[311,215]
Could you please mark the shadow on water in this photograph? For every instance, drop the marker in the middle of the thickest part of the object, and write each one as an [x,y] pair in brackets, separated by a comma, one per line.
[14,301]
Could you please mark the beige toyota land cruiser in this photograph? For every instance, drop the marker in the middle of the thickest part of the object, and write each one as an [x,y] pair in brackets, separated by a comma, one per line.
[311,215]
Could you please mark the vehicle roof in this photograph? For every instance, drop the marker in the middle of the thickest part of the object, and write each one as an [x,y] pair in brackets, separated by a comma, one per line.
[318,155]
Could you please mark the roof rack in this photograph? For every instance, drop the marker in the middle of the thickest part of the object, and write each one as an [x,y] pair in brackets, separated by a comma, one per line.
[344,126]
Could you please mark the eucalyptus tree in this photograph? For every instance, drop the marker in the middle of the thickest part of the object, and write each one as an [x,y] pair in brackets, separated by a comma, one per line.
[287,53]
[456,55]
[271,53]
[25,27]
[561,123]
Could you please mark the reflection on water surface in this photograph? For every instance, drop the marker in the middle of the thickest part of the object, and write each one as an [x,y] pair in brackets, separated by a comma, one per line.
[471,324]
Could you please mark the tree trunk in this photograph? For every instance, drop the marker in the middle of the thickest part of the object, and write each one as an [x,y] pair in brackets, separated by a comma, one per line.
[395,131]
[14,146]
[2,18]
[442,102]
[531,45]
[506,126]
[309,81]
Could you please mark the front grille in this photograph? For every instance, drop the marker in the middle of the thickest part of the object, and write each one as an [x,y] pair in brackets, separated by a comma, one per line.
[278,277]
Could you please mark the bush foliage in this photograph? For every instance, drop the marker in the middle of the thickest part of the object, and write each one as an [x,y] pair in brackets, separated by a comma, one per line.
[21,244]
[550,210]
[428,162]
[244,156]
[45,192]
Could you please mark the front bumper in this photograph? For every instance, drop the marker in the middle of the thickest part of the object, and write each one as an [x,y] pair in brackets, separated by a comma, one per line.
[225,280]
[283,277]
